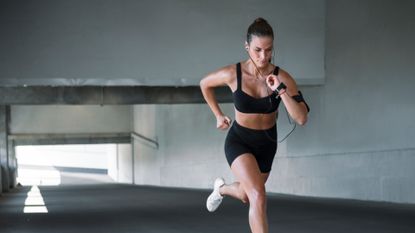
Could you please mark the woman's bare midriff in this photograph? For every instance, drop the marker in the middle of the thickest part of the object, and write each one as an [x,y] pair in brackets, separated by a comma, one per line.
[256,121]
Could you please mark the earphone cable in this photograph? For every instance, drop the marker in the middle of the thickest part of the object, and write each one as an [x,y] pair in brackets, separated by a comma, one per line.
[270,102]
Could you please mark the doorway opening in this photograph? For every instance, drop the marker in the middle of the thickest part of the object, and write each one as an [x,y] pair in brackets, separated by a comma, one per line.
[45,165]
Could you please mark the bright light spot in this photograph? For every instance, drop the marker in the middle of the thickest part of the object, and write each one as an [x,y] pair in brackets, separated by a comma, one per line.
[41,165]
[35,209]
[34,202]
[36,176]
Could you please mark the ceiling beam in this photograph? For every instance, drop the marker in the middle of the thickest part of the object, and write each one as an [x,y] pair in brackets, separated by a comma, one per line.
[106,95]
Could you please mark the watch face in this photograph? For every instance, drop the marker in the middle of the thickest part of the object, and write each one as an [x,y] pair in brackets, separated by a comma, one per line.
[281,86]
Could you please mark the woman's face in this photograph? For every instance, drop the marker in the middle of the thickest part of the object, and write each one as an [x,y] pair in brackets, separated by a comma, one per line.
[260,50]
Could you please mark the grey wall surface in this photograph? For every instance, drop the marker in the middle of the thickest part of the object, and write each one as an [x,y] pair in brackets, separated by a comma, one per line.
[8,162]
[12,163]
[148,123]
[358,142]
[125,164]
[149,42]
[70,119]
[189,155]
[4,168]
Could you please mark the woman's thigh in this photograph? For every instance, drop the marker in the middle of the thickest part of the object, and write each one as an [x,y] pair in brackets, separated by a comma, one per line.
[247,172]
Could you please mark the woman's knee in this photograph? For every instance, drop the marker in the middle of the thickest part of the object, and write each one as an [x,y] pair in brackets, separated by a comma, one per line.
[257,195]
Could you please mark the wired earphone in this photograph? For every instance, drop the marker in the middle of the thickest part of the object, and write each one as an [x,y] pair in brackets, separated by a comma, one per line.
[272,60]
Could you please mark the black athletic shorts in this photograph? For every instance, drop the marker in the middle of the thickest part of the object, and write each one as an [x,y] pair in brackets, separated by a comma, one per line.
[261,143]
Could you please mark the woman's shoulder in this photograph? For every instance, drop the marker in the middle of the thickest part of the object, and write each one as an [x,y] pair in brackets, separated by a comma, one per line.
[227,72]
[284,75]
[225,75]
[289,81]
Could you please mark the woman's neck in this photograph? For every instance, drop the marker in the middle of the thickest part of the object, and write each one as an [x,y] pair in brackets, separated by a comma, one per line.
[257,71]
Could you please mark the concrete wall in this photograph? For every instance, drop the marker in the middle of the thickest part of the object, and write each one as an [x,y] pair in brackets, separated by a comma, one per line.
[148,42]
[358,142]
[4,168]
[190,133]
[190,152]
[113,163]
[148,160]
[8,163]
[120,162]
[12,163]
[67,119]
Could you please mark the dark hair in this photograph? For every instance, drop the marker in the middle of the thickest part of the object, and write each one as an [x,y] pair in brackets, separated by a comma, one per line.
[259,27]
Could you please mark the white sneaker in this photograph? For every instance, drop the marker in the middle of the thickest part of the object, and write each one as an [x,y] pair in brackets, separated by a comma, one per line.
[214,199]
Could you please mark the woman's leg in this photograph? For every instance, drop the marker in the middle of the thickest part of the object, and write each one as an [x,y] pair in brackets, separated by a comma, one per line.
[236,191]
[246,170]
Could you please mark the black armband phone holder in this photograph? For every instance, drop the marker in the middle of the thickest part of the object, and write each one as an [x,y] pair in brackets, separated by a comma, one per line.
[299,98]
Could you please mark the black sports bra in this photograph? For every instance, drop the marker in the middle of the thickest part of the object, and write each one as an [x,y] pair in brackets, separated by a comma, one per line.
[248,104]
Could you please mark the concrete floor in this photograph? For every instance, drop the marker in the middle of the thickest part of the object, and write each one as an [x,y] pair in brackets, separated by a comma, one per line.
[126,208]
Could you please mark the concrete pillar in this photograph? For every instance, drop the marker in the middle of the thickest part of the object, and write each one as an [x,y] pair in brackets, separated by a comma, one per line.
[1,182]
[4,157]
[12,164]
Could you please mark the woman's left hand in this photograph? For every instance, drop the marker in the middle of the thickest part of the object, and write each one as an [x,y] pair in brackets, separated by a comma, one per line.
[272,81]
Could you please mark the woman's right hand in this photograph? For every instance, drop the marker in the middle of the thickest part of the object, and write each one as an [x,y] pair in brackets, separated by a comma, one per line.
[223,122]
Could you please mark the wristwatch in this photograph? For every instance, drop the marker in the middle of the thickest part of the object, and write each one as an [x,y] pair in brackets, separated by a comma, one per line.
[280,87]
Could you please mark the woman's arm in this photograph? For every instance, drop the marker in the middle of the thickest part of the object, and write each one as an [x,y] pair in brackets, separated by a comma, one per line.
[221,77]
[297,110]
